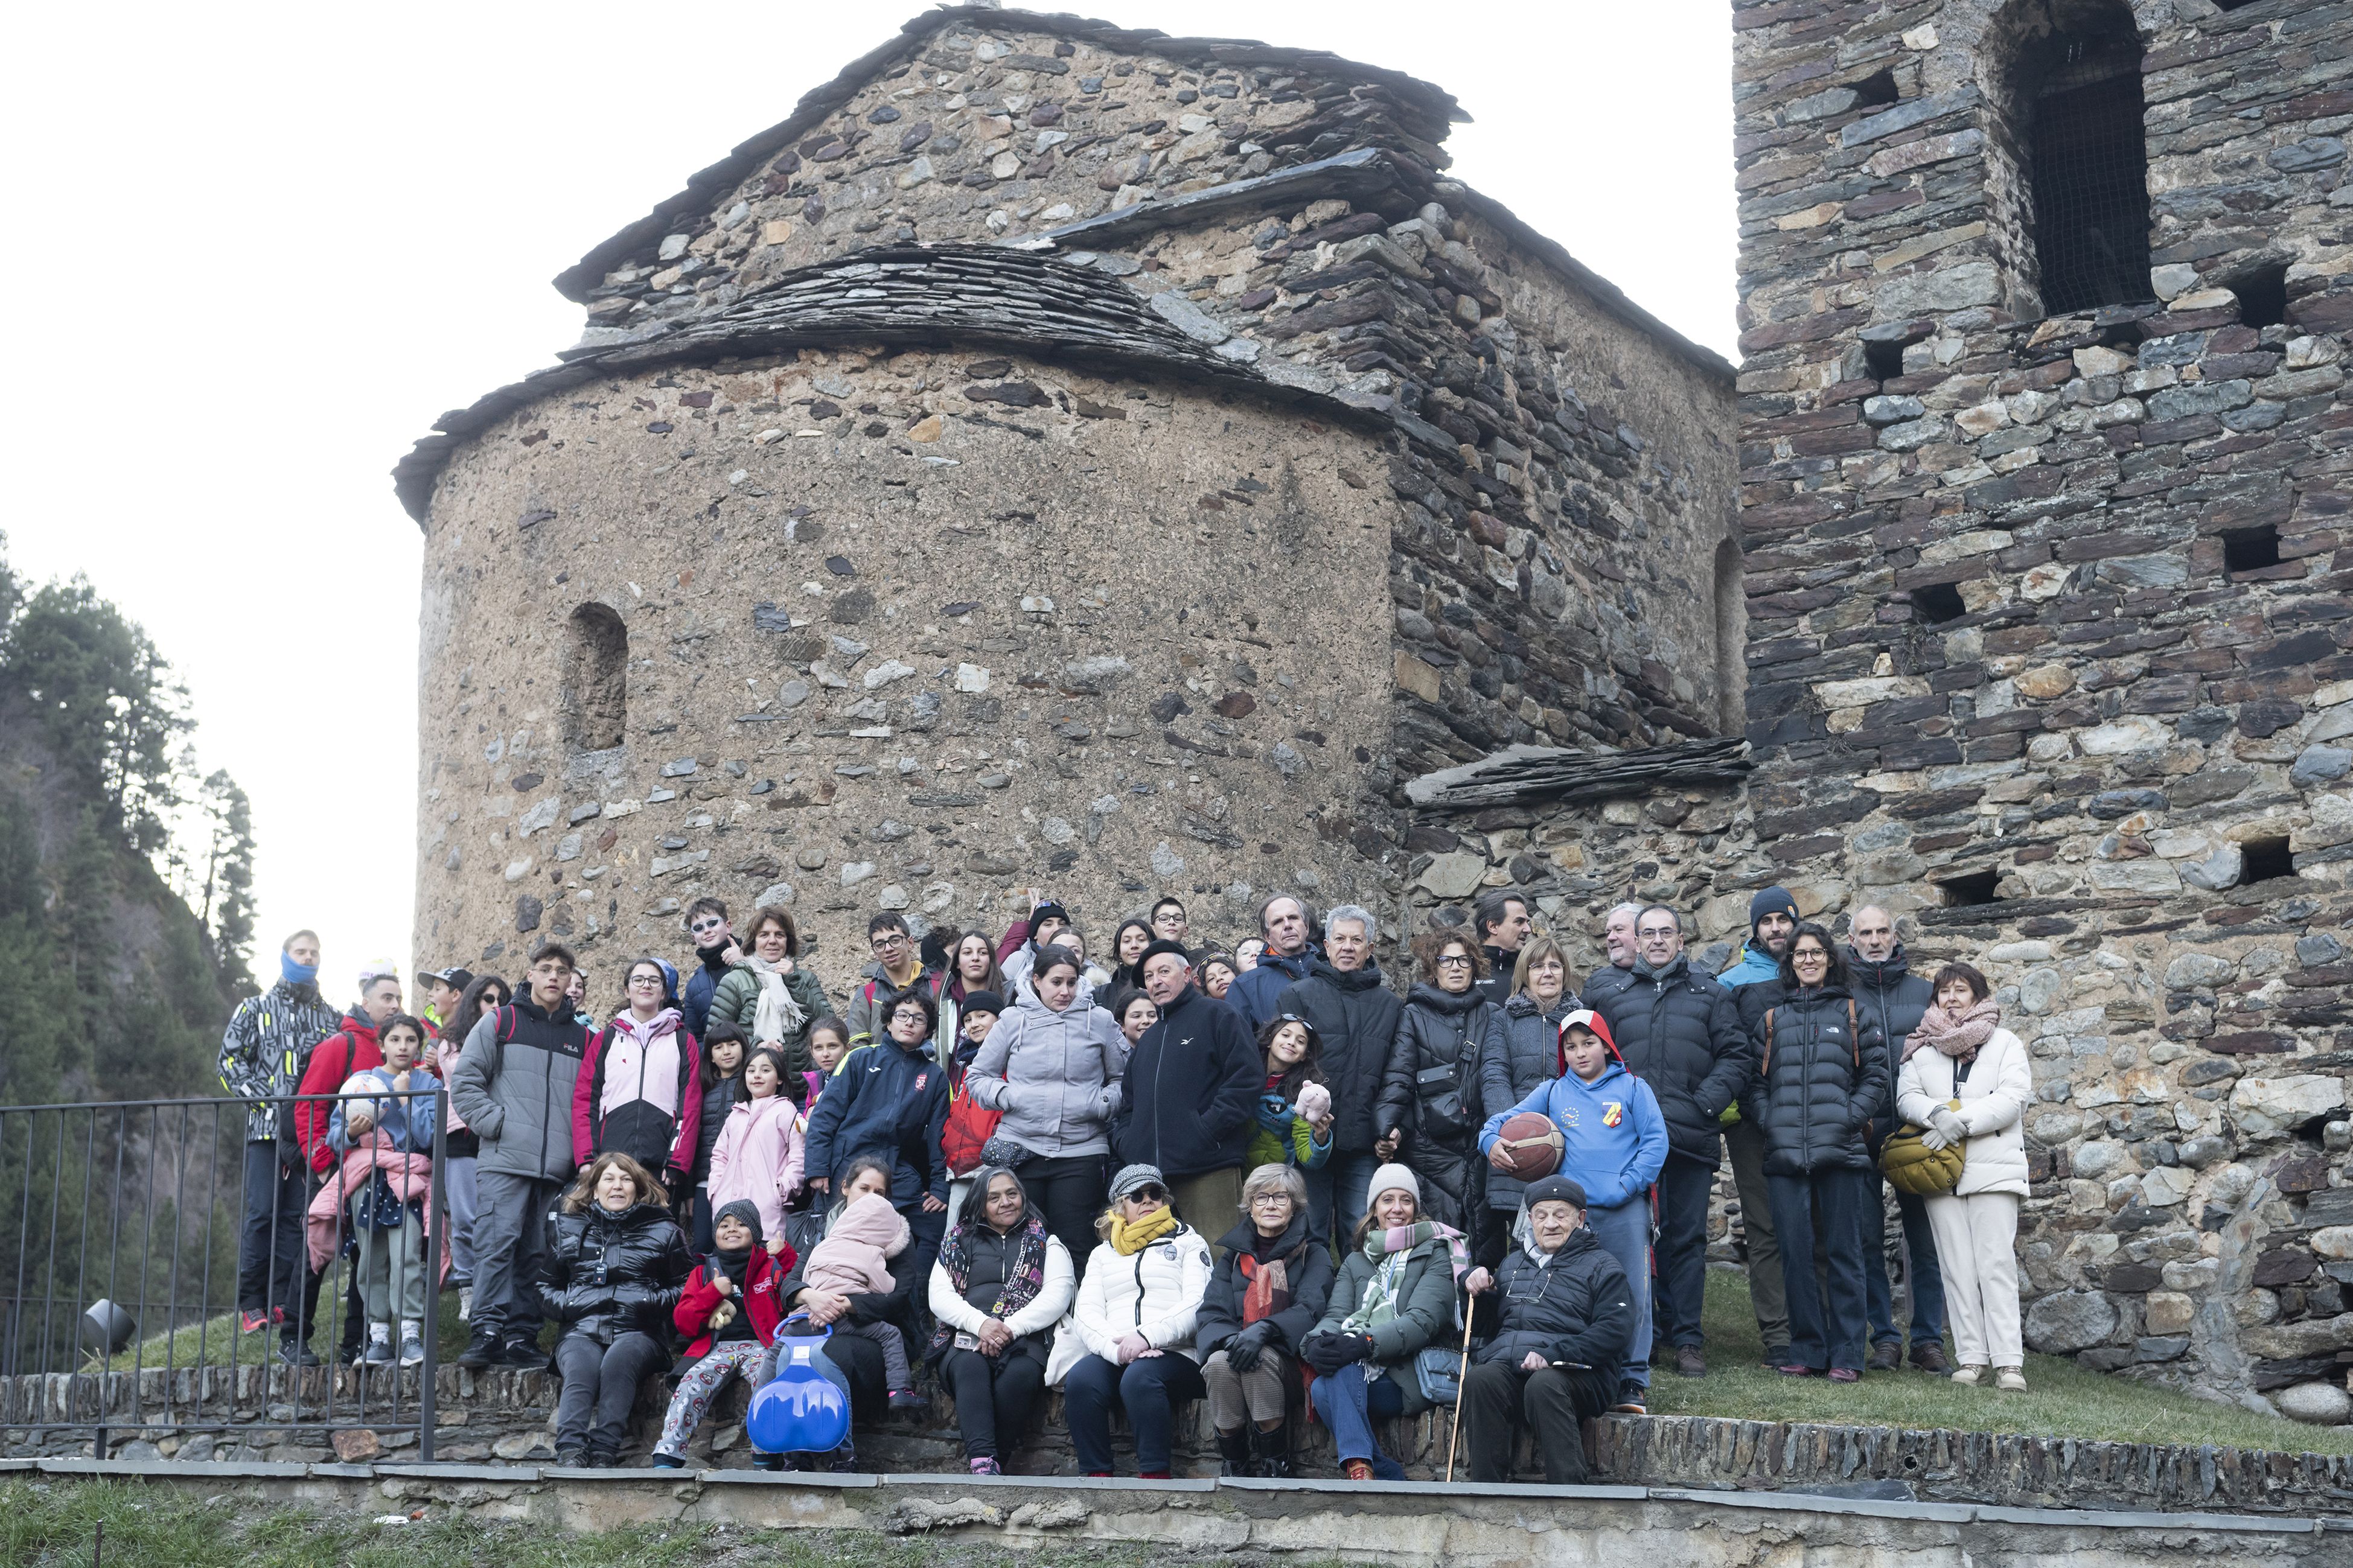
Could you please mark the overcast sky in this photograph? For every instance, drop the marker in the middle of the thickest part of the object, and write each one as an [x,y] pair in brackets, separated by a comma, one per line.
[258,248]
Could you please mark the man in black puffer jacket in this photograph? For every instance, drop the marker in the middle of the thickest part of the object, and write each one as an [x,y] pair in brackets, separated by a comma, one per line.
[1893,998]
[1356,1020]
[1680,1032]
[1821,1071]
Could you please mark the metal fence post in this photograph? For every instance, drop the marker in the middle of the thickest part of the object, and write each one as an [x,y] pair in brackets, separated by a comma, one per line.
[437,1201]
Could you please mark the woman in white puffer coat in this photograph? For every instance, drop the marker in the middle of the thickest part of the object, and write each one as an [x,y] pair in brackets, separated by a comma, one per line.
[1960,1053]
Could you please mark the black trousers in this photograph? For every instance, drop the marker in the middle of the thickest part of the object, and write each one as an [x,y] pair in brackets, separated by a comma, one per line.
[1069,1193]
[1684,1188]
[602,1380]
[992,1395]
[1498,1399]
[271,1255]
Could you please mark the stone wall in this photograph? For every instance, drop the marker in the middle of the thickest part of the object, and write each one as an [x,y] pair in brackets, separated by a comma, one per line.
[1160,441]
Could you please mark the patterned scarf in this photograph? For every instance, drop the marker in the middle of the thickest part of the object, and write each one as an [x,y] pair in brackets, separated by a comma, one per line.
[1269,1288]
[1957,1037]
[1027,1277]
[1127,1240]
[779,1017]
[1390,1250]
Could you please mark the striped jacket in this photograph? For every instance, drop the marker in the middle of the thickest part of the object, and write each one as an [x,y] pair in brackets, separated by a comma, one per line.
[265,1048]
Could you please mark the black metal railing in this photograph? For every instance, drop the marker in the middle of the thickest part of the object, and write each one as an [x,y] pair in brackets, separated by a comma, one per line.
[121,1232]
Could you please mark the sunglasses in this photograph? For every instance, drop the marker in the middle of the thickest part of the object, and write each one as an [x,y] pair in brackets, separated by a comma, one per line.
[1148,1195]
[700,927]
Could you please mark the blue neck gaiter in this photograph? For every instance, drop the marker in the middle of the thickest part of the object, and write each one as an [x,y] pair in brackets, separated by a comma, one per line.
[296,974]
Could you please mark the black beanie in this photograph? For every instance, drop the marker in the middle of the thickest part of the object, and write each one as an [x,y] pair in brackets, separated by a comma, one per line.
[747,1210]
[1157,948]
[1773,901]
[984,1002]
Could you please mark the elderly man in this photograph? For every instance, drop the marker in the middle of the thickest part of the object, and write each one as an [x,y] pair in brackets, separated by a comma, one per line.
[1886,992]
[1678,1031]
[1618,938]
[1189,1098]
[1284,921]
[1355,1017]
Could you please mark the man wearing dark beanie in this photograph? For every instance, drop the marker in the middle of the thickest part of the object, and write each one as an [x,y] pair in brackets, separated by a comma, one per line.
[1755,982]
[1189,1099]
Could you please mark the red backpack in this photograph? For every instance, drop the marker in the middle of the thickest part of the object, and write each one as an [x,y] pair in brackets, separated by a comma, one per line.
[970,1126]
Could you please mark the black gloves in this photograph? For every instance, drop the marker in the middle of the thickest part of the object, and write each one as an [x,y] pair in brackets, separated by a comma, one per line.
[1244,1349]
[1327,1354]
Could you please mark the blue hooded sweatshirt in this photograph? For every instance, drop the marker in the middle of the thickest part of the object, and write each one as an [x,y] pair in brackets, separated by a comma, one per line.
[1756,965]
[1616,1138]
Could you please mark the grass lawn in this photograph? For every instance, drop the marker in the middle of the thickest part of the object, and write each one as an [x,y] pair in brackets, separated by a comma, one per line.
[52,1525]
[215,1342]
[2062,1398]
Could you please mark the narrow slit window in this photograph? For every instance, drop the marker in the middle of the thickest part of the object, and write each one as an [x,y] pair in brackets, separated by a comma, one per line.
[1938,602]
[2088,160]
[2263,296]
[2250,549]
[2265,860]
[1885,360]
[595,680]
[1730,624]
[1969,888]
[1876,91]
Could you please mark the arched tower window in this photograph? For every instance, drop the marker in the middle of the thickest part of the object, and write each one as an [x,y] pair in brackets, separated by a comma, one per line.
[595,680]
[2069,160]
[1731,640]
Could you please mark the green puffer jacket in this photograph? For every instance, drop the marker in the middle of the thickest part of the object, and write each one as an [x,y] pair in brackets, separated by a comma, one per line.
[1425,1312]
[737,1000]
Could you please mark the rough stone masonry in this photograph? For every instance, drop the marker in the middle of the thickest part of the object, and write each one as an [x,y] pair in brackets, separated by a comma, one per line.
[1068,456]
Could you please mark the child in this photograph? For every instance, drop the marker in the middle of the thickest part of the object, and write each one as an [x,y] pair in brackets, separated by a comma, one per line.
[970,1125]
[729,1315]
[854,1259]
[828,1042]
[1134,1013]
[723,1086]
[1294,1113]
[759,1153]
[390,1230]
[1616,1141]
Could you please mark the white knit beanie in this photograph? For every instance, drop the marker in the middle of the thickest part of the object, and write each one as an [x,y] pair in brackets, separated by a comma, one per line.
[1394,1175]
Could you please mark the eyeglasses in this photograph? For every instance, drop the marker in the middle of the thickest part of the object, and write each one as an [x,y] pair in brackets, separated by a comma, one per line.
[893,939]
[1272,1201]
[1453,961]
[645,980]
[1148,1195]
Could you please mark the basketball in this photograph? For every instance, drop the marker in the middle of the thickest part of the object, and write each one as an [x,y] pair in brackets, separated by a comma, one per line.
[1531,1144]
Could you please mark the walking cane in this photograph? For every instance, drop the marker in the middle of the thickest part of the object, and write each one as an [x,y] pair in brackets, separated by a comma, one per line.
[1462,1377]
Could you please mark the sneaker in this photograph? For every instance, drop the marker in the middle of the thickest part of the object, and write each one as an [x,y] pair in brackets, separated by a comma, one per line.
[377,1352]
[294,1352]
[1845,1374]
[412,1344]
[661,1461]
[985,1466]
[1775,1358]
[572,1459]
[485,1351]
[252,1322]
[907,1399]
[601,1459]
[1690,1361]
[2010,1379]
[465,1303]
[277,1316]
[771,1462]
[1357,1469]
[1631,1398]
[1795,1369]
[1931,1358]
[1969,1376]
[523,1354]
[1885,1356]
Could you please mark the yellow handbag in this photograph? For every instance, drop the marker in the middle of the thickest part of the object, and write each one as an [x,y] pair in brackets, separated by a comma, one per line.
[1913,1167]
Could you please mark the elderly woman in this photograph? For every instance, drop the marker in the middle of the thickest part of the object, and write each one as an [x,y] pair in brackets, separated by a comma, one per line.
[1429,1095]
[1002,1282]
[1966,1081]
[617,1265]
[1821,1074]
[1128,1342]
[1522,1055]
[1273,1277]
[1394,1294]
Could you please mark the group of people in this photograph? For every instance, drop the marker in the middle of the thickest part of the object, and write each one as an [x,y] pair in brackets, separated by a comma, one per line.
[1259,1176]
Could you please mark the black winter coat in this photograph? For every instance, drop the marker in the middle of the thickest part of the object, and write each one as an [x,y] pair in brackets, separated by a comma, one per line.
[1496,989]
[910,1271]
[1602,982]
[609,1273]
[1889,995]
[718,1099]
[1355,1021]
[1522,1055]
[1432,1092]
[1307,1269]
[1680,1033]
[1578,1308]
[1188,1102]
[1817,1083]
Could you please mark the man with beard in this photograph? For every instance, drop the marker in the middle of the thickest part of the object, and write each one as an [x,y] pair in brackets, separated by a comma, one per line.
[1755,982]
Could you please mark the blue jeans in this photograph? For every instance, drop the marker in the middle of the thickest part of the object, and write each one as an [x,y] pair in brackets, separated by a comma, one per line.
[1336,1190]
[1928,1279]
[1823,1333]
[1624,1233]
[1148,1389]
[1349,1405]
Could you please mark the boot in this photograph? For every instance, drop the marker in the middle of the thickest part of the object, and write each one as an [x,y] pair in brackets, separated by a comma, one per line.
[1272,1451]
[1234,1448]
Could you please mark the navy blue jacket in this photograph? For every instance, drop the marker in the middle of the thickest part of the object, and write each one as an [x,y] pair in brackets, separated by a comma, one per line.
[889,1103]
[1189,1101]
[694,996]
[1254,994]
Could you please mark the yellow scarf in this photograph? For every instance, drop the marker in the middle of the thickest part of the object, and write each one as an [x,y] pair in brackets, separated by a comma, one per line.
[1127,1240]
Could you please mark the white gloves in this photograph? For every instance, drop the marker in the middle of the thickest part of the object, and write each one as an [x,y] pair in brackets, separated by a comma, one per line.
[1932,1139]
[1947,1123]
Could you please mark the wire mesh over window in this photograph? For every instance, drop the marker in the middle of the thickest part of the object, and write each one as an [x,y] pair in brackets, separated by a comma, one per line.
[2091,174]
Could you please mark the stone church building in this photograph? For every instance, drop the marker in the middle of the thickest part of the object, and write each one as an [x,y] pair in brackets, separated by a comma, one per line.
[1066,458]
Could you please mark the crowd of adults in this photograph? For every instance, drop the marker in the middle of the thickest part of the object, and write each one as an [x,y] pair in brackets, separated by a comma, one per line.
[1166,1172]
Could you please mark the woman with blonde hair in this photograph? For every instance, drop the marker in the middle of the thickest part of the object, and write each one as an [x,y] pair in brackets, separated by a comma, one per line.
[1965,1079]
[1522,1055]
[617,1265]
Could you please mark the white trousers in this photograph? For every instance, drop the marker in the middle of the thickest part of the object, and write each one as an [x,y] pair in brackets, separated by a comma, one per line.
[1977,1248]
